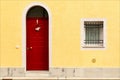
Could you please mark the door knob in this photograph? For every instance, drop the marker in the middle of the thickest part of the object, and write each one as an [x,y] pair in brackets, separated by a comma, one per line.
[29,48]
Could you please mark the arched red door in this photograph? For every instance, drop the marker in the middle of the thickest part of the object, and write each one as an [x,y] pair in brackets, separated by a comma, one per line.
[37,38]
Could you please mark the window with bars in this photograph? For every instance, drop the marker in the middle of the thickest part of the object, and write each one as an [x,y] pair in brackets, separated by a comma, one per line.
[93,33]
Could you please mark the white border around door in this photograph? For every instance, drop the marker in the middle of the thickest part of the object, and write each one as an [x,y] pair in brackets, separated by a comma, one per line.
[24,32]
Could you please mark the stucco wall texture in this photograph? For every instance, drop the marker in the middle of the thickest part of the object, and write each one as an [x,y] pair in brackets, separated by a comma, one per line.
[66,32]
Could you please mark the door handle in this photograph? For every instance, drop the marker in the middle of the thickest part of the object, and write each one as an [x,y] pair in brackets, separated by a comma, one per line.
[30,48]
[37,28]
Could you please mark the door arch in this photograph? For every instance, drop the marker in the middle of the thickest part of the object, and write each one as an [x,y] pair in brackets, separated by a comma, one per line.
[36,14]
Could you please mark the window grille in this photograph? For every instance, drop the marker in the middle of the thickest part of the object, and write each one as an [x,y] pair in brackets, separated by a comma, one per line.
[93,33]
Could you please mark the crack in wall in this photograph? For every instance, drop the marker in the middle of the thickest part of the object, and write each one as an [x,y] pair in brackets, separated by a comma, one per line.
[8,72]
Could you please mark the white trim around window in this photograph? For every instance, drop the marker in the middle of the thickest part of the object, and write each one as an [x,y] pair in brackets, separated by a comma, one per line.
[82,30]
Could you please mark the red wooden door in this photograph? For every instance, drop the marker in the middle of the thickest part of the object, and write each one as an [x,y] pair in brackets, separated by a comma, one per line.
[37,52]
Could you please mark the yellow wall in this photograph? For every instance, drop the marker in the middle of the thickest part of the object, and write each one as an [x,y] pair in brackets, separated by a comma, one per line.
[66,38]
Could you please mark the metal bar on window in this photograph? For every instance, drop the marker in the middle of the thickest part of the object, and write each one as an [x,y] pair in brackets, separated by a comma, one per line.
[93,32]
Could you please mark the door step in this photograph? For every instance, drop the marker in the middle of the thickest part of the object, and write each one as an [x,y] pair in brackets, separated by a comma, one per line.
[37,74]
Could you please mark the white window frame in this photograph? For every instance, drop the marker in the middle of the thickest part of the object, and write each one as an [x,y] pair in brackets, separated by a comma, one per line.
[83,33]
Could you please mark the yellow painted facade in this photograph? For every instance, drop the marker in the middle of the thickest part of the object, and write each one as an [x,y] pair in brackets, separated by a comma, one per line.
[66,32]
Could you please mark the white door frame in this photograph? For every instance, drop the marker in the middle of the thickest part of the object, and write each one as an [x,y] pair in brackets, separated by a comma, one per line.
[24,32]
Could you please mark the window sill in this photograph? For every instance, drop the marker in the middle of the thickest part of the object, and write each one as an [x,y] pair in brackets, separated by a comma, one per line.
[93,47]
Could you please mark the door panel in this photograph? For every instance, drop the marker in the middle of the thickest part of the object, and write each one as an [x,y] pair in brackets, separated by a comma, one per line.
[37,52]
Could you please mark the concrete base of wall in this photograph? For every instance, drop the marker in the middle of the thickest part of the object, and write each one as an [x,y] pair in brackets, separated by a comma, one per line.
[62,73]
